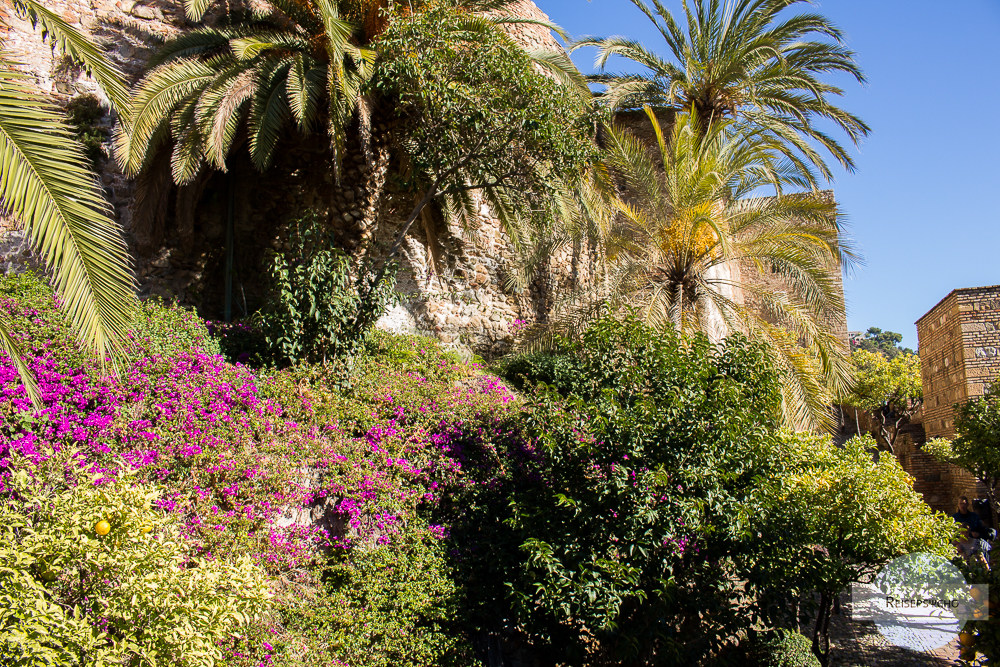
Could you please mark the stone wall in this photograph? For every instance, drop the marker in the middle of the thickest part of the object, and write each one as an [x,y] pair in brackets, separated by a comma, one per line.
[939,484]
[959,339]
[454,281]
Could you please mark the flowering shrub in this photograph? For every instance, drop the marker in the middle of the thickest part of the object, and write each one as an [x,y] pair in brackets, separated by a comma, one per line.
[403,508]
[314,485]
[76,592]
[642,441]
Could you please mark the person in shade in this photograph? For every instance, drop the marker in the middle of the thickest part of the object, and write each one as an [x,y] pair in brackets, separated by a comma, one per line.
[974,545]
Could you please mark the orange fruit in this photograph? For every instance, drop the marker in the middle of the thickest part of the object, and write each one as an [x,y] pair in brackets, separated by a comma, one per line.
[967,639]
[102,528]
[978,594]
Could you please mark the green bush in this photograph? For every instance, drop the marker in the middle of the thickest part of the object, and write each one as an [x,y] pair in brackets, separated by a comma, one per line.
[86,116]
[643,445]
[168,329]
[317,310]
[395,604]
[781,648]
[134,596]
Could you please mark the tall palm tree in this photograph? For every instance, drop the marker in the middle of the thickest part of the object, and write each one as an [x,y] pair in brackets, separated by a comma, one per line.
[745,60]
[48,189]
[694,246]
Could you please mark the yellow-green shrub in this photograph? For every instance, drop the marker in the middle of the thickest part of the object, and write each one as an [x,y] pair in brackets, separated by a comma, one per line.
[136,596]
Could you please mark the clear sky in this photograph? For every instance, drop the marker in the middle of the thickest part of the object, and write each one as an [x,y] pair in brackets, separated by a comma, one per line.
[923,204]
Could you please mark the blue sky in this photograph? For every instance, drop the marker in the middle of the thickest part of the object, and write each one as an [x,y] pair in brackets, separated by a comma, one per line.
[923,204]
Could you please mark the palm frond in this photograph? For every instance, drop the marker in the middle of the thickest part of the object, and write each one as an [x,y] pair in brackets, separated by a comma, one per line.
[154,100]
[74,44]
[10,347]
[60,205]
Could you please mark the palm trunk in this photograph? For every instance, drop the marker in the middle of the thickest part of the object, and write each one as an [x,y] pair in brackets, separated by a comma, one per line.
[227,309]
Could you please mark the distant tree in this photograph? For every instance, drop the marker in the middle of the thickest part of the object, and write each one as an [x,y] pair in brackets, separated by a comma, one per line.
[890,391]
[886,343]
[977,446]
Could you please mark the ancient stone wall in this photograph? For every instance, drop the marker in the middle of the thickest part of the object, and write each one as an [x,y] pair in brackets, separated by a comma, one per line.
[959,342]
[454,281]
[959,339]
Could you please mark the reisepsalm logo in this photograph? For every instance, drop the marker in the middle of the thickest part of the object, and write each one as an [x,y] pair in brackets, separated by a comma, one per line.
[920,601]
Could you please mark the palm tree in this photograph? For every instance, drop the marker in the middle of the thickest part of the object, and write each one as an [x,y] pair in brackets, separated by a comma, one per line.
[694,247]
[47,188]
[288,61]
[740,59]
[301,62]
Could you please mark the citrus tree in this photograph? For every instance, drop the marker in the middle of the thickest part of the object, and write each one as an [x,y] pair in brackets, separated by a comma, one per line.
[828,517]
[889,390]
[91,573]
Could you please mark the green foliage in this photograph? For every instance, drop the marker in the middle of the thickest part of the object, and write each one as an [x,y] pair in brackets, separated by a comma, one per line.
[746,60]
[984,627]
[260,73]
[86,115]
[642,445]
[478,115]
[886,343]
[136,596]
[860,512]
[889,389]
[317,310]
[977,445]
[168,329]
[782,648]
[826,517]
[658,477]
[393,605]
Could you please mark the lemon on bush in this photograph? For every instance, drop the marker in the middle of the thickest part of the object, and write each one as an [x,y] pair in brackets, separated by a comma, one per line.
[102,528]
